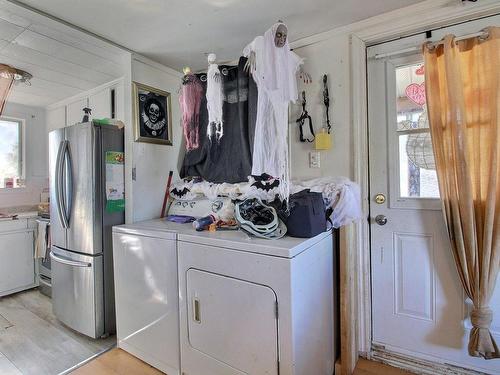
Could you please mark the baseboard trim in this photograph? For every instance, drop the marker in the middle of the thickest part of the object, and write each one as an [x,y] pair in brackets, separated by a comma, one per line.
[416,365]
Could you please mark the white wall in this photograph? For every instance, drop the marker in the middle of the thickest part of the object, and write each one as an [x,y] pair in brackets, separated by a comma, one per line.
[152,162]
[329,57]
[35,156]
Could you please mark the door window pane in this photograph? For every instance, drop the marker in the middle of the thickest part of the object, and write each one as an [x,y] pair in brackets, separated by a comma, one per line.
[11,167]
[417,174]
[414,181]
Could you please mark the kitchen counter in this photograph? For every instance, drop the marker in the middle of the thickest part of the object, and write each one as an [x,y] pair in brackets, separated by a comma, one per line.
[22,212]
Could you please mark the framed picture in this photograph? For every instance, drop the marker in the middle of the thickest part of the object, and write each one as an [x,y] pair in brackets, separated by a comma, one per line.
[152,114]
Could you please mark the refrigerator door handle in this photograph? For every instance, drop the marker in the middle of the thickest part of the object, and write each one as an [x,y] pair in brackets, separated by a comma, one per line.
[59,184]
[68,262]
[68,191]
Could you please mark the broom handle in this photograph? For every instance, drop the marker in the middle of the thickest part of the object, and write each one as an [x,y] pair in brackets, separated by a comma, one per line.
[167,194]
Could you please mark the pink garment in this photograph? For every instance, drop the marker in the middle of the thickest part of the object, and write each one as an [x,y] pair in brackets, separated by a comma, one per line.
[190,100]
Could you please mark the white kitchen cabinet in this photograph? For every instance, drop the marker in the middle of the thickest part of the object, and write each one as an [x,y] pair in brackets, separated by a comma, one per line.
[17,265]
[105,102]
[74,111]
[56,118]
[100,104]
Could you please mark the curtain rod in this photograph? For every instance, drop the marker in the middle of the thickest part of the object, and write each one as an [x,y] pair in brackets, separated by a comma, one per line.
[482,35]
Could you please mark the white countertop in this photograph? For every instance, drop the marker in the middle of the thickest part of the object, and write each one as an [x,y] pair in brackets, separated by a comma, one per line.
[20,215]
[286,247]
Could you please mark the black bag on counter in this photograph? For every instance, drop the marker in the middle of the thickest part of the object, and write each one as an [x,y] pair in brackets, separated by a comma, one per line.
[307,216]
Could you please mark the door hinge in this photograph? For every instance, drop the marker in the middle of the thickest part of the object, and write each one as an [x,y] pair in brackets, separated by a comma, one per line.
[134,175]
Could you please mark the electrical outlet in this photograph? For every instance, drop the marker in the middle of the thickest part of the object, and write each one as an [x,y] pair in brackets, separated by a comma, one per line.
[314,159]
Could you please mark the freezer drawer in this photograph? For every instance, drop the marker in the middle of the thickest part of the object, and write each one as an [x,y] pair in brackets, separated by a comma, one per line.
[77,291]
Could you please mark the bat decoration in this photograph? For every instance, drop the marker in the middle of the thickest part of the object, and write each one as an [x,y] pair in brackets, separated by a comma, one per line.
[180,193]
[266,185]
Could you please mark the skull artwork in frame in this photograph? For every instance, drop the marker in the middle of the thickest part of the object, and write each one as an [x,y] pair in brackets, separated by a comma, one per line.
[152,114]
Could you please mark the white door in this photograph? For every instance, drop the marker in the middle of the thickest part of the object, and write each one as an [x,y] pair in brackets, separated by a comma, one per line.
[418,305]
[231,322]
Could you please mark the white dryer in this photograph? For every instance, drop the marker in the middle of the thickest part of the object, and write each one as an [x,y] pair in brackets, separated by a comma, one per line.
[256,306]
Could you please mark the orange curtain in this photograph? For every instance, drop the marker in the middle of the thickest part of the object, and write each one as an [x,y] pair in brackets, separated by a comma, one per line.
[463,99]
[6,79]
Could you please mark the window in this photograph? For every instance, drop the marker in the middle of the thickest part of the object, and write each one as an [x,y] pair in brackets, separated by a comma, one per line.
[417,172]
[11,153]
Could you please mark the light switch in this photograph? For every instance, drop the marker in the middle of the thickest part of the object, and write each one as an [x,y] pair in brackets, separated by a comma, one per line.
[314,159]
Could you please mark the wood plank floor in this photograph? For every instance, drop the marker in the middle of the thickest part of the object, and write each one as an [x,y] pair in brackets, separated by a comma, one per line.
[119,362]
[366,367]
[34,342]
[116,362]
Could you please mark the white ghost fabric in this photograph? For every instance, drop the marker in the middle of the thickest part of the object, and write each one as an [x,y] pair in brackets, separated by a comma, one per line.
[275,76]
[214,103]
[340,194]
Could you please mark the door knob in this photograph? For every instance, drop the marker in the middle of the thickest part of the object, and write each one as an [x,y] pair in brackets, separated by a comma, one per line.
[381,219]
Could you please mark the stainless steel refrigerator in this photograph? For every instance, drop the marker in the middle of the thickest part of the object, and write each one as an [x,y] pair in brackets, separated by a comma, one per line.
[81,242]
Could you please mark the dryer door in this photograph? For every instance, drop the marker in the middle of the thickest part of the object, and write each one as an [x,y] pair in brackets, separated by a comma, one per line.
[233,322]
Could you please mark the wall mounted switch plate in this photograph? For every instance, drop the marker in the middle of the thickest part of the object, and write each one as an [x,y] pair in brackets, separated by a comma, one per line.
[314,159]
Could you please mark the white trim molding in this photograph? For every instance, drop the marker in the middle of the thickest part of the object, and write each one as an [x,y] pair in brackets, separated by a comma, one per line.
[406,21]
[429,366]
[361,244]
[153,64]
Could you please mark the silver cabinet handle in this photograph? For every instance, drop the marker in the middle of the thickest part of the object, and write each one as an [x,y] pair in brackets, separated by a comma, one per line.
[196,310]
[68,262]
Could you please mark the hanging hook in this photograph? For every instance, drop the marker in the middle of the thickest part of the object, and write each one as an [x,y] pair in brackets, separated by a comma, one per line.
[326,101]
[302,119]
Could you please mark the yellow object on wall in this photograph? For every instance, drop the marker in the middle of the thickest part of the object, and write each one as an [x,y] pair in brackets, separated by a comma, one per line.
[323,140]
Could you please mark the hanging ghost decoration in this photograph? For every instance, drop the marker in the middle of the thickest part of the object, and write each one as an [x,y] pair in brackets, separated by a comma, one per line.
[190,101]
[274,67]
[214,100]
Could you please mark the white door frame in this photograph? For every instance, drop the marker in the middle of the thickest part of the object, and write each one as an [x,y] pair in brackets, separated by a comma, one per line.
[424,16]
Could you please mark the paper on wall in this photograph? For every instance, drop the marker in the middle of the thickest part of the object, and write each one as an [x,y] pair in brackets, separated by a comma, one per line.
[115,181]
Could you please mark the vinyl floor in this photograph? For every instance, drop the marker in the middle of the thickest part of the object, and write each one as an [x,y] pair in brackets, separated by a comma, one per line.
[34,342]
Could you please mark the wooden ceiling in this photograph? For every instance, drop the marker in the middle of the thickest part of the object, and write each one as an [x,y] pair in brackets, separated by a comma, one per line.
[62,60]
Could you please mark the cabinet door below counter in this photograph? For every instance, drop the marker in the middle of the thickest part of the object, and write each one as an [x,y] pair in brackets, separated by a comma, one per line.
[17,264]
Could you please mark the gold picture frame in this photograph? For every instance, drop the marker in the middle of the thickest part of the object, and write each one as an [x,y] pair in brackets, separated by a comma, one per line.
[152,111]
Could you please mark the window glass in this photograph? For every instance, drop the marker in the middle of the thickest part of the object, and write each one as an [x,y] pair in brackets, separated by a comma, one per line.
[417,174]
[11,167]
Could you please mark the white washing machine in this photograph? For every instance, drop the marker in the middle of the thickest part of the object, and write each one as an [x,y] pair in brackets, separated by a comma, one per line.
[245,305]
[146,294]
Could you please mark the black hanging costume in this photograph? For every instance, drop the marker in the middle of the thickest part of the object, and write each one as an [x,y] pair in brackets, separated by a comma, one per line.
[230,158]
